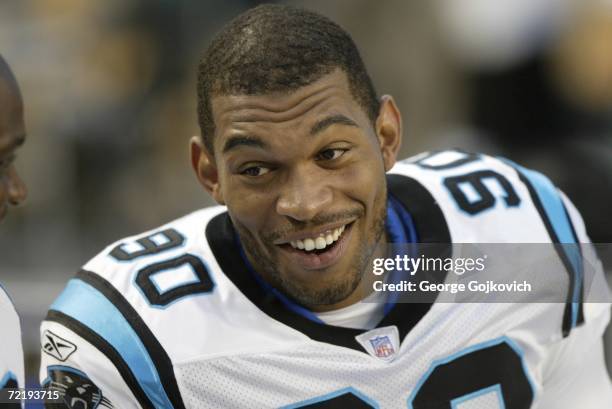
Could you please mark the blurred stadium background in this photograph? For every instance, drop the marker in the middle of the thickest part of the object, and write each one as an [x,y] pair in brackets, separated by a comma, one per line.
[109,88]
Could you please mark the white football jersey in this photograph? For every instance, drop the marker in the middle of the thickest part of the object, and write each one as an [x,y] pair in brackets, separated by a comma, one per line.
[11,352]
[173,318]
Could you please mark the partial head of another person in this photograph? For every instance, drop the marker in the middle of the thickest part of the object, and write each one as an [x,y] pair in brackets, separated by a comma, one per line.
[296,144]
[12,136]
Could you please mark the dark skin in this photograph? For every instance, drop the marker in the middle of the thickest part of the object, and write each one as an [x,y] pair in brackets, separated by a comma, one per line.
[12,136]
[296,165]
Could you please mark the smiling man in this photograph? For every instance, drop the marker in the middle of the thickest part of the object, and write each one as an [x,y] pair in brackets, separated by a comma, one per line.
[266,301]
[12,192]
[303,177]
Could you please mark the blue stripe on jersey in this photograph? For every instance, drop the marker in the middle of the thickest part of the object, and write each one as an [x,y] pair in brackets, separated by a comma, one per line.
[87,305]
[559,220]
[552,204]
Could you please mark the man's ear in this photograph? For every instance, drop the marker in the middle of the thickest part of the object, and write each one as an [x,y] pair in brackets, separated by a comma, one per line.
[205,167]
[389,130]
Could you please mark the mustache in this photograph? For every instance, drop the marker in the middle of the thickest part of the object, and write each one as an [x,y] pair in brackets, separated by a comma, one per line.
[319,220]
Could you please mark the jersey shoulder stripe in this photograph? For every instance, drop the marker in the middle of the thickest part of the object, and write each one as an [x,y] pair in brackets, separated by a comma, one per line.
[8,380]
[94,309]
[555,217]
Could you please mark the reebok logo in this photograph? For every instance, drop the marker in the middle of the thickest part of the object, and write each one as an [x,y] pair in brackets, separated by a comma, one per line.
[57,347]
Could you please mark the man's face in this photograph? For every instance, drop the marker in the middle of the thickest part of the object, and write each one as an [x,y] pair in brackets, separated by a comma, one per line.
[303,177]
[12,135]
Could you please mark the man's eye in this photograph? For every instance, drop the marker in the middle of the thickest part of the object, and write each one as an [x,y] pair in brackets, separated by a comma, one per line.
[330,154]
[255,171]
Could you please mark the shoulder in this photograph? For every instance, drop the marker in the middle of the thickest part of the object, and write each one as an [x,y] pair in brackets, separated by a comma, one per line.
[170,246]
[485,199]
[147,303]
[141,277]
[150,289]
[477,192]
[7,309]
[11,355]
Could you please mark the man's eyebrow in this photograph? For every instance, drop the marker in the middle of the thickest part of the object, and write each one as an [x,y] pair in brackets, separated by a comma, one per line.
[241,140]
[331,120]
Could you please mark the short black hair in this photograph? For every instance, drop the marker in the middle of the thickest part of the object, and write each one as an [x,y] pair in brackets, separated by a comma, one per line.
[278,48]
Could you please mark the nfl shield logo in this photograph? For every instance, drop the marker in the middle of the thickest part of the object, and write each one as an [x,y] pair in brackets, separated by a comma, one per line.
[383,348]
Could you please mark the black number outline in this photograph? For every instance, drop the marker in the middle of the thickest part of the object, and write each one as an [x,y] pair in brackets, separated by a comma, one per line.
[157,299]
[487,200]
[175,239]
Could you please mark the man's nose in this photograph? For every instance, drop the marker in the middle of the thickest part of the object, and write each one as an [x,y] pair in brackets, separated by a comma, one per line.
[306,194]
[17,191]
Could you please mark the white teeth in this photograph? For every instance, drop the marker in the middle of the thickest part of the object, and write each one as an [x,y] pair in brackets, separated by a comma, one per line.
[309,244]
[320,242]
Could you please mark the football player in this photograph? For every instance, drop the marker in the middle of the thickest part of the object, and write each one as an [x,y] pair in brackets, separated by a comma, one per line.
[12,192]
[256,303]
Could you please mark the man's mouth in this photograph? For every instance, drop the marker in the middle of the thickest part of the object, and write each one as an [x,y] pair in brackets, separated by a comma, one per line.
[320,242]
[320,250]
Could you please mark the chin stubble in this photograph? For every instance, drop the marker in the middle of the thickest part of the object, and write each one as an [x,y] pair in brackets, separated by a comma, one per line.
[336,291]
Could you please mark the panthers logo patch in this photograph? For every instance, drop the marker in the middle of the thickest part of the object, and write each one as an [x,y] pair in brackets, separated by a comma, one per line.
[75,388]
